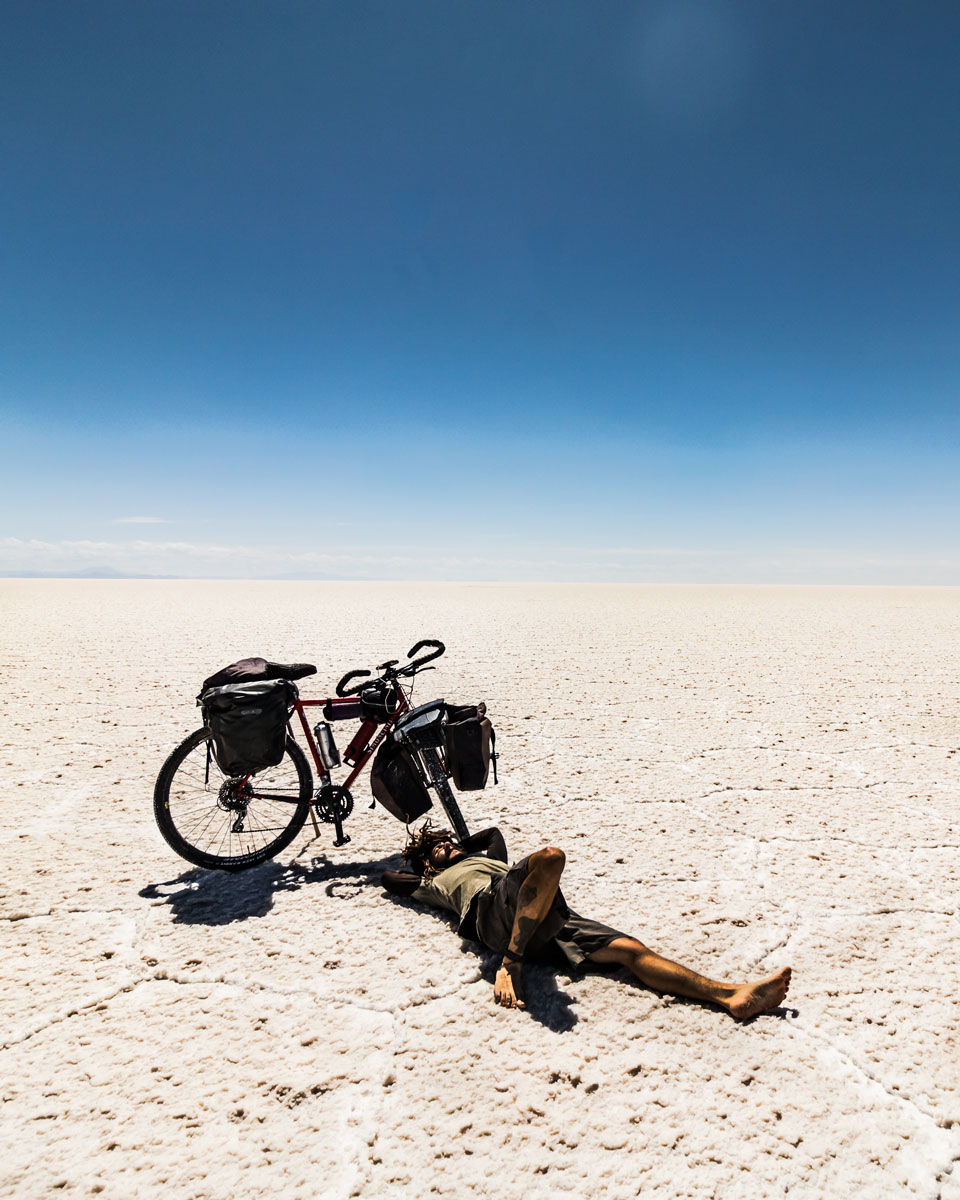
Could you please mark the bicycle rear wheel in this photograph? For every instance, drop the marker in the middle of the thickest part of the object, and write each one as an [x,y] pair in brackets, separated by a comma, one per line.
[224,824]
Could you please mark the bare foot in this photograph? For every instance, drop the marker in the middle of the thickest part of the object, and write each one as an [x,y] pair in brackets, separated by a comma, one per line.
[506,987]
[759,997]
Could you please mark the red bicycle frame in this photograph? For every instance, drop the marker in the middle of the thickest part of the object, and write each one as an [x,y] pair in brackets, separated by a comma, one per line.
[333,802]
[337,701]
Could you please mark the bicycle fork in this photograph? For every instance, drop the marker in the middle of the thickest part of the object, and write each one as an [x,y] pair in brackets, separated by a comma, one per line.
[438,781]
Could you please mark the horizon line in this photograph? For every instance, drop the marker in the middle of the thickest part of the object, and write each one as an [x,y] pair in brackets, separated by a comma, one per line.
[117,577]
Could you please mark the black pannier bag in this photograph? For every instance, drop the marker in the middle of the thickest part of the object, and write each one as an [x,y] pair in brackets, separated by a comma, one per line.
[396,782]
[248,723]
[469,746]
[379,703]
[343,710]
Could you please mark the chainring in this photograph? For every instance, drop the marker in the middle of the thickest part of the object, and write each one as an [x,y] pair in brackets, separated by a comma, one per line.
[332,802]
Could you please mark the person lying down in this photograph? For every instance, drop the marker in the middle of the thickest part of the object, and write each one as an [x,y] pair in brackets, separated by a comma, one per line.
[520,913]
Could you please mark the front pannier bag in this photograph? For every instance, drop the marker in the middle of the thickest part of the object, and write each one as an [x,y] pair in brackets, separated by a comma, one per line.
[396,782]
[248,723]
[469,746]
[422,727]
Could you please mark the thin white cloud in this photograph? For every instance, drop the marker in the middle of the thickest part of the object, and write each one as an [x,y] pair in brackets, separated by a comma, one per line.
[614,564]
[140,521]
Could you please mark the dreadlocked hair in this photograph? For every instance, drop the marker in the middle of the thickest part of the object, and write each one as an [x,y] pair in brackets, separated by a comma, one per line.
[416,853]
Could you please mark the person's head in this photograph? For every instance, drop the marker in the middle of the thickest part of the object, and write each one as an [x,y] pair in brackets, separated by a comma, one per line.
[419,852]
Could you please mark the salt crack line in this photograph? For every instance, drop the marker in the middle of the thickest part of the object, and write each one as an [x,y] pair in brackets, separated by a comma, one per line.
[421,1001]
[163,976]
[156,977]
[841,914]
[80,1010]
[649,880]
[942,1176]
[883,912]
[827,755]
[830,837]
[530,762]
[795,787]
[793,1024]
[776,946]
[710,818]
[60,912]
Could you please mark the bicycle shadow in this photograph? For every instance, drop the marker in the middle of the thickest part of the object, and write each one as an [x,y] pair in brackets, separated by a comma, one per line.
[202,897]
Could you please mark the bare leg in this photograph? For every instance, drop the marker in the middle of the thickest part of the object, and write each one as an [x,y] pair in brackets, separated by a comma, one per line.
[741,1000]
[533,903]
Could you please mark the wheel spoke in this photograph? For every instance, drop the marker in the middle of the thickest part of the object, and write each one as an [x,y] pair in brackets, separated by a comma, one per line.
[197,814]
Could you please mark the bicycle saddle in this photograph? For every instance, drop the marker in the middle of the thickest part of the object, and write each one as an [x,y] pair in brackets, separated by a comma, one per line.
[292,670]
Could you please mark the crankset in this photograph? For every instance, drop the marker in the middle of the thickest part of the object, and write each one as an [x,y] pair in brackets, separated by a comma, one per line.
[333,804]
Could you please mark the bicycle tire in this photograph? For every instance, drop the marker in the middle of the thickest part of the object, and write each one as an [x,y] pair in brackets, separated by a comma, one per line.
[197,826]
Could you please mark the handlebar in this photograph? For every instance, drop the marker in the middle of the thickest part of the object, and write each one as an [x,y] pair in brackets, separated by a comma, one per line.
[389,668]
[440,648]
[342,689]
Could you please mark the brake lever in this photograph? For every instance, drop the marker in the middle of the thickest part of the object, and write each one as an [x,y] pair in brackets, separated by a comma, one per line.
[415,670]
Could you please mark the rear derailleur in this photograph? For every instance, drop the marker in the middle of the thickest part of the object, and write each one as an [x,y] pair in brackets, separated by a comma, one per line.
[234,796]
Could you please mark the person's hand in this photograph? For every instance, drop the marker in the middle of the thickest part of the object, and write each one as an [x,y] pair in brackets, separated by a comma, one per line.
[400,883]
[506,987]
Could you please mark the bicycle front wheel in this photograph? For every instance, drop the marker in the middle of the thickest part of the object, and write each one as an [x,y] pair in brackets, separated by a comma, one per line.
[431,760]
[224,824]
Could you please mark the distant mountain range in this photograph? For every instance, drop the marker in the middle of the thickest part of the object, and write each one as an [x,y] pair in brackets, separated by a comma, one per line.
[86,573]
[110,573]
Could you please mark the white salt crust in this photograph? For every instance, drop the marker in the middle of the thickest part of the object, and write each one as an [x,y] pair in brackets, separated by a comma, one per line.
[743,777]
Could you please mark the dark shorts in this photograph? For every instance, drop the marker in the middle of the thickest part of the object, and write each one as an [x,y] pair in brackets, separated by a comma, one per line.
[562,934]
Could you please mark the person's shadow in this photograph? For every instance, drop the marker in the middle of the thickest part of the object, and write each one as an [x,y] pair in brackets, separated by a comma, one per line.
[202,897]
[544,1000]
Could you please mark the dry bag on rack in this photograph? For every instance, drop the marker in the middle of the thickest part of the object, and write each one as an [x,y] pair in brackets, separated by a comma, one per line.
[396,782]
[469,746]
[248,723]
[249,669]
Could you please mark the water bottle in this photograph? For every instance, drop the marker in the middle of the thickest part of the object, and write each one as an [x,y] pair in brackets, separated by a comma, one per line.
[329,753]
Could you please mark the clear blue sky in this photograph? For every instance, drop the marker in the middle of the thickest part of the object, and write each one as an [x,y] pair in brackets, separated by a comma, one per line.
[641,291]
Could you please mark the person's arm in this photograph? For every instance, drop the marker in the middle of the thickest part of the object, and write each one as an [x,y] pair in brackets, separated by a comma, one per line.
[400,883]
[488,841]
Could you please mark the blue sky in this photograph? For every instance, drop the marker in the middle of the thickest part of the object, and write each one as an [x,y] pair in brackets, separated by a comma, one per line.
[626,291]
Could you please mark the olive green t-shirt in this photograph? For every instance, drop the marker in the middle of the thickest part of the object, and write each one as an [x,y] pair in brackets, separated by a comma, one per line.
[456,886]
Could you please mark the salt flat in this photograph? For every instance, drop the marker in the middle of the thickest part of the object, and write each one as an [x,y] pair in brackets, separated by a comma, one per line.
[744,777]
